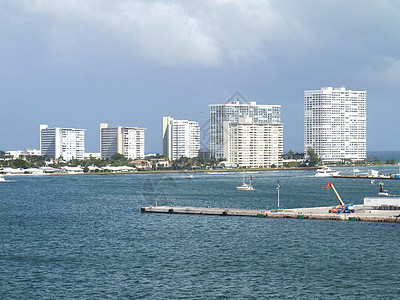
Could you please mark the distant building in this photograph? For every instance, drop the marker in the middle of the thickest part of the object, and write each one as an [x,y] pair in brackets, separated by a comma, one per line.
[335,124]
[129,141]
[237,107]
[95,155]
[180,138]
[253,145]
[205,153]
[68,143]
[26,152]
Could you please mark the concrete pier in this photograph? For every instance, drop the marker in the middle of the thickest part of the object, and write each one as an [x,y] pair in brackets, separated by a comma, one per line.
[317,213]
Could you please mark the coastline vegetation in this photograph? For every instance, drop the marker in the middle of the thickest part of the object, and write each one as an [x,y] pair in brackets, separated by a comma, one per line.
[290,160]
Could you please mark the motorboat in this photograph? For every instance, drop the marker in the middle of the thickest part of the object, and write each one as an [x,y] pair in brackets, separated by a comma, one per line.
[189,176]
[382,192]
[245,186]
[326,172]
[2,178]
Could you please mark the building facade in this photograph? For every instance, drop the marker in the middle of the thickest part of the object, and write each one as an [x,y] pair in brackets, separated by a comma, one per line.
[26,152]
[253,145]
[237,108]
[181,138]
[68,143]
[128,141]
[335,124]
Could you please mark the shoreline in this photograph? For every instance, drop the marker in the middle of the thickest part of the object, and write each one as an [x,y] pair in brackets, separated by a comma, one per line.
[167,171]
[211,171]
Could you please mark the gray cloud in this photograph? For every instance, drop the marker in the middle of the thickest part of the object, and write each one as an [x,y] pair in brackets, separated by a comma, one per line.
[173,33]
[175,57]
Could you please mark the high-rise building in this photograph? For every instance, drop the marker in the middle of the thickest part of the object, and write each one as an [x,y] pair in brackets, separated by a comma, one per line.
[180,138]
[253,145]
[237,107]
[129,141]
[68,143]
[335,124]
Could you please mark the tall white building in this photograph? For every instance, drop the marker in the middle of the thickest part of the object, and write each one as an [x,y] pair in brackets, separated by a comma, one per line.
[237,108]
[253,145]
[180,138]
[335,124]
[129,141]
[69,143]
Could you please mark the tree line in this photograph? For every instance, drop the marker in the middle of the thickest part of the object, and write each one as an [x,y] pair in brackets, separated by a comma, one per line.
[308,159]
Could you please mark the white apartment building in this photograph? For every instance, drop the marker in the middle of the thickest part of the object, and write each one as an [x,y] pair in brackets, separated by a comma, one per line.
[180,138]
[26,152]
[253,145]
[129,141]
[335,124]
[68,143]
[236,108]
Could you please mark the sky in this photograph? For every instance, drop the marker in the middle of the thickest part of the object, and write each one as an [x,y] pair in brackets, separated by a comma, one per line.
[79,63]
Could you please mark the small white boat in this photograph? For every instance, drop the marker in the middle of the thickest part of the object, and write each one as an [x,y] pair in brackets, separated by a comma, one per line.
[245,186]
[326,172]
[189,176]
[2,178]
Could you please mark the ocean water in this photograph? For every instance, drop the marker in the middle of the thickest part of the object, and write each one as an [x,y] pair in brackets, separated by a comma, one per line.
[383,156]
[84,237]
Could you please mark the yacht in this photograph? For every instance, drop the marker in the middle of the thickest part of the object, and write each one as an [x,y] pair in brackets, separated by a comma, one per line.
[326,172]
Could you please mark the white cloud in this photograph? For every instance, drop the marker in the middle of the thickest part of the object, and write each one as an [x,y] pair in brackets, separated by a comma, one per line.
[173,33]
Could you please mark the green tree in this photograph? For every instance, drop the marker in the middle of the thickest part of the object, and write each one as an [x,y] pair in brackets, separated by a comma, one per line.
[390,162]
[290,154]
[313,158]
[19,164]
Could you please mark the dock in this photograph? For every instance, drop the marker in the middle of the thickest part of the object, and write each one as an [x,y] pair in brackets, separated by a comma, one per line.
[367,177]
[315,213]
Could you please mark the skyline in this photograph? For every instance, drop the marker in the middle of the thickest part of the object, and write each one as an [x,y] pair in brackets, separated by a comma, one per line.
[128,63]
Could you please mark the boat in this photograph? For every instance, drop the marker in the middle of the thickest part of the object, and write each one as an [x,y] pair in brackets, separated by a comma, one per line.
[245,186]
[355,170]
[382,192]
[326,172]
[189,176]
[2,178]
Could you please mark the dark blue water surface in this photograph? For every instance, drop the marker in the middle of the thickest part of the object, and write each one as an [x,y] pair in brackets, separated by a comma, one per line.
[84,237]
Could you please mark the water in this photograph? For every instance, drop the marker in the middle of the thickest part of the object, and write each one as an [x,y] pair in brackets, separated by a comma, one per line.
[383,156]
[83,237]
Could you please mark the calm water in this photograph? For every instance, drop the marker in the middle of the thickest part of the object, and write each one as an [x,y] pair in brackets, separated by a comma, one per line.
[384,155]
[83,237]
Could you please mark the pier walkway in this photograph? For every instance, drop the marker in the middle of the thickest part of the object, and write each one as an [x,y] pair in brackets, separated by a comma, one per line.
[317,213]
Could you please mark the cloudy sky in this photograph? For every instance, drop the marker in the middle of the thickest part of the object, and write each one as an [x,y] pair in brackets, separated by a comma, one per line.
[77,63]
